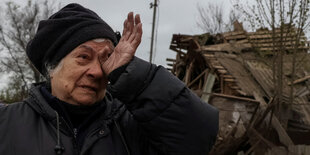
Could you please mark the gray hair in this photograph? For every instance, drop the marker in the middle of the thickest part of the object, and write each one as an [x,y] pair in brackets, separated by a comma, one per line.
[50,69]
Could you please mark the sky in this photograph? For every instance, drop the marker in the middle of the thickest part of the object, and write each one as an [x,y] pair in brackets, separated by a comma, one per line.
[174,17]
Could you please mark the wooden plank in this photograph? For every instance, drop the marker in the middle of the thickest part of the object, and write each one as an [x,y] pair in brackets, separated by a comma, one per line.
[283,136]
[218,67]
[270,49]
[212,48]
[187,39]
[198,77]
[242,41]
[278,30]
[300,80]
[277,44]
[229,80]
[188,73]
[207,87]
[235,97]
[270,36]
[241,36]
[209,55]
[228,76]
[269,143]
[303,38]
[176,50]
[171,60]
[225,34]
[221,71]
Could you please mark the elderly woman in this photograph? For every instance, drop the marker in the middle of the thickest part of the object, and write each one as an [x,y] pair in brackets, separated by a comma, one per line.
[100,99]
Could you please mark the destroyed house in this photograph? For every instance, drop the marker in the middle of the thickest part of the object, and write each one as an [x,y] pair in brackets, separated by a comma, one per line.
[240,72]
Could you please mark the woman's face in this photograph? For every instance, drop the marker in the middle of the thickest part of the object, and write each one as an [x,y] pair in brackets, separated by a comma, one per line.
[79,78]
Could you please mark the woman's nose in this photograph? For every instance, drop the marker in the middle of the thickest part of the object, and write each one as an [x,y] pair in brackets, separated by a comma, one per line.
[95,70]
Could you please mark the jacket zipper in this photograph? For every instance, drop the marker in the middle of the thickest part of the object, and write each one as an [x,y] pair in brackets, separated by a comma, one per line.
[74,132]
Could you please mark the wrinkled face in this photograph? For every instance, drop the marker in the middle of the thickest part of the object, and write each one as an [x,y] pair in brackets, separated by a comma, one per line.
[79,79]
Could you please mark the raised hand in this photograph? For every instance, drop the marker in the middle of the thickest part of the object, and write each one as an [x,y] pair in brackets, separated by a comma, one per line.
[127,46]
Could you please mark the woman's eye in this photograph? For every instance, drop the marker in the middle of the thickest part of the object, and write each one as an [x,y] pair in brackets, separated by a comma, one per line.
[83,56]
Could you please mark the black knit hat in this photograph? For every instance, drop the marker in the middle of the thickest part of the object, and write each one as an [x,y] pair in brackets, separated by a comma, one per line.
[62,32]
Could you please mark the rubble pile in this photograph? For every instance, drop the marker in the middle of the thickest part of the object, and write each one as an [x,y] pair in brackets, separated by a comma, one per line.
[236,72]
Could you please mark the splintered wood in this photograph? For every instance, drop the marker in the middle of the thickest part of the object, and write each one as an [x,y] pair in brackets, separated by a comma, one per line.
[234,71]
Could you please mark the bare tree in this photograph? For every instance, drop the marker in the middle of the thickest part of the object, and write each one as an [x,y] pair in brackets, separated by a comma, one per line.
[212,18]
[288,20]
[17,26]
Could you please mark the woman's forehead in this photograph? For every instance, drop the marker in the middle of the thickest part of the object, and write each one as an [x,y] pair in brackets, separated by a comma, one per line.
[98,43]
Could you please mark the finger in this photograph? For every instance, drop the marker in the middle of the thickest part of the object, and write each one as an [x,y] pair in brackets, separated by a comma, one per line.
[135,30]
[128,31]
[137,19]
[130,21]
[129,26]
[101,64]
[124,30]
[133,34]
[138,35]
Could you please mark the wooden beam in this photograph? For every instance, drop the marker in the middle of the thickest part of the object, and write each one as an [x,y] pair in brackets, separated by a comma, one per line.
[170,65]
[232,33]
[270,144]
[172,60]
[289,48]
[241,36]
[277,30]
[207,87]
[229,80]
[277,44]
[188,73]
[209,55]
[222,71]
[176,50]
[198,77]
[283,136]
[269,35]
[265,40]
[300,80]
[228,76]
[218,67]
[235,97]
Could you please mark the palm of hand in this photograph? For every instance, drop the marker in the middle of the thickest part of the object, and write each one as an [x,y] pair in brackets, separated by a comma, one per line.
[127,46]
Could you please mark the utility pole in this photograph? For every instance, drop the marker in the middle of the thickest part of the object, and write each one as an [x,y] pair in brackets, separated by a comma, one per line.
[154,6]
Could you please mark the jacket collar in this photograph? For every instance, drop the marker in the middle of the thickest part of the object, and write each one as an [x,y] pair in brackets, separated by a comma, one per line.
[37,101]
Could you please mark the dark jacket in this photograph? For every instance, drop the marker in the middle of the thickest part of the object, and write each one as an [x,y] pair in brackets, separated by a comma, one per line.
[149,112]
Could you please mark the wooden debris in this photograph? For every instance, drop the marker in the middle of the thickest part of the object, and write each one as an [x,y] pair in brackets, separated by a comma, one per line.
[233,72]
[300,80]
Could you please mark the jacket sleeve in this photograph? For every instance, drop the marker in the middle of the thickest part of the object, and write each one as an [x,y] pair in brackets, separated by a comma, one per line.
[174,119]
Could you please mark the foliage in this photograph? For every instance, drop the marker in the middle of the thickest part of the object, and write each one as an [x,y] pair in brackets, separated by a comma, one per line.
[14,92]
[17,26]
